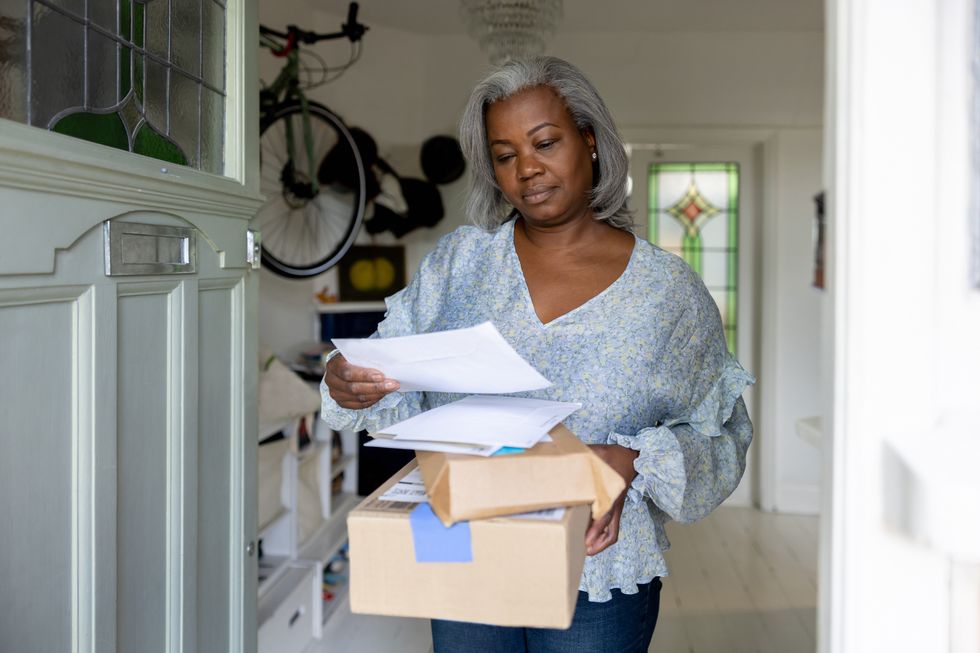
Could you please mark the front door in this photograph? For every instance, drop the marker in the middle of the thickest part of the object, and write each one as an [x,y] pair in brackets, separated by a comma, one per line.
[128,354]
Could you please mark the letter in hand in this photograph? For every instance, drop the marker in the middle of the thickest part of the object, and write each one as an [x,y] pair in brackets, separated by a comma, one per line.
[356,387]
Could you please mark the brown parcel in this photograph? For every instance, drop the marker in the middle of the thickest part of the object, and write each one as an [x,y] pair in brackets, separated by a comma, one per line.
[524,572]
[562,472]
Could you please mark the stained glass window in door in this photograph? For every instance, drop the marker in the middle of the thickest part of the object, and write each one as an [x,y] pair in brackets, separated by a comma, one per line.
[147,76]
[693,212]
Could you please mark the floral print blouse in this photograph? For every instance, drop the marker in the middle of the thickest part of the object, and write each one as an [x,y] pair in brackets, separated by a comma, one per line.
[646,358]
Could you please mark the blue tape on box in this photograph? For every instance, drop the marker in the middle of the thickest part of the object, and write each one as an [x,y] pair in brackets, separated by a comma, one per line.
[507,451]
[436,543]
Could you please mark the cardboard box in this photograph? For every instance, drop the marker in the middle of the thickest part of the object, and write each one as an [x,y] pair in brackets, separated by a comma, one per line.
[522,572]
[558,473]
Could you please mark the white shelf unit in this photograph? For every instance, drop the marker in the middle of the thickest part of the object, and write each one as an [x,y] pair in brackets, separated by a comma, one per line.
[302,539]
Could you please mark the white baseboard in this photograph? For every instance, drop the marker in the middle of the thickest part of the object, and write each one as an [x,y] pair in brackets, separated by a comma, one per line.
[798,498]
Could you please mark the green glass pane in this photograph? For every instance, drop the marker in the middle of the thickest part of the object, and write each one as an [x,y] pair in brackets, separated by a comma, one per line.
[692,252]
[105,129]
[732,306]
[653,207]
[131,17]
[139,24]
[149,143]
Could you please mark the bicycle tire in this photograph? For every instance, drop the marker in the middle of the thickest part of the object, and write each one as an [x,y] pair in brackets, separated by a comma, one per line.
[305,234]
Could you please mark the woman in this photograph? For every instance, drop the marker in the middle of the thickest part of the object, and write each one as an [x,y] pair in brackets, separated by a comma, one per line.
[615,323]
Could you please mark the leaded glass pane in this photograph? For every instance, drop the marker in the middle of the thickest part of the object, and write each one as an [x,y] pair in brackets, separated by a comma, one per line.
[184,119]
[211,117]
[76,7]
[671,235]
[57,80]
[158,38]
[13,77]
[105,14]
[155,88]
[121,73]
[103,71]
[714,269]
[693,212]
[186,35]
[714,234]
[213,39]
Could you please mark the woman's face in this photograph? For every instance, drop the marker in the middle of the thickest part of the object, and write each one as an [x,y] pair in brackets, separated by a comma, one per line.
[542,161]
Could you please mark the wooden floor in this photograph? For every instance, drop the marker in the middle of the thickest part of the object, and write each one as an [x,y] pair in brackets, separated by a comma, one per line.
[741,581]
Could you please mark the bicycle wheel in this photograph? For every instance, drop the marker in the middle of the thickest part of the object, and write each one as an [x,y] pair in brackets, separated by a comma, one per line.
[306,226]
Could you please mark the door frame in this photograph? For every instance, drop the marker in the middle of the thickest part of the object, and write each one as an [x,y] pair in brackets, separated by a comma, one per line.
[900,117]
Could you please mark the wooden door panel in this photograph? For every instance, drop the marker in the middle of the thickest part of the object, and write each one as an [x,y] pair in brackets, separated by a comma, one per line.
[217,301]
[36,471]
[144,437]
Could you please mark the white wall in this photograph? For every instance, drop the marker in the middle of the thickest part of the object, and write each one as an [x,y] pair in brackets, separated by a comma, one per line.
[789,379]
[407,87]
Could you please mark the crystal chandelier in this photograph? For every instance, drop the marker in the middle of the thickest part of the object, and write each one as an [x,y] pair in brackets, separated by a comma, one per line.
[507,29]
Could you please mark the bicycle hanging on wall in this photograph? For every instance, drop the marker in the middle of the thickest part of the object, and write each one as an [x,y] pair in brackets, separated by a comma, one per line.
[312,172]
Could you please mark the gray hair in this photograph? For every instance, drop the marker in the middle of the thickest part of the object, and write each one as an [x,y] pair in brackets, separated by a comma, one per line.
[486,205]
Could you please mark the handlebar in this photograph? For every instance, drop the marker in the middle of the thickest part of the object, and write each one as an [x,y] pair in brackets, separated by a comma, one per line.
[350,30]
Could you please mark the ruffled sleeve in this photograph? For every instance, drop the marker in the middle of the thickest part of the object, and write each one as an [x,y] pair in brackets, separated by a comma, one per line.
[408,312]
[693,458]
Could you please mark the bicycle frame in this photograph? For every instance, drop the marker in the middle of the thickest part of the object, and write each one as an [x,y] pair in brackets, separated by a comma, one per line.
[286,90]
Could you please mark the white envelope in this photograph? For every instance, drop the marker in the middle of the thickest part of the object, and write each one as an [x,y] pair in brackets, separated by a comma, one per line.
[486,420]
[444,447]
[473,360]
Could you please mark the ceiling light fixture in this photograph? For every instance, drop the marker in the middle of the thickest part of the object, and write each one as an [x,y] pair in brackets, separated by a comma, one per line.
[508,29]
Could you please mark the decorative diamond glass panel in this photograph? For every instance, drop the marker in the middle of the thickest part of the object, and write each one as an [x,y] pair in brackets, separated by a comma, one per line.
[147,76]
[693,212]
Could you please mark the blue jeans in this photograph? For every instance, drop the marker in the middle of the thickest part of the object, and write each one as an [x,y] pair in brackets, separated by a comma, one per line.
[623,624]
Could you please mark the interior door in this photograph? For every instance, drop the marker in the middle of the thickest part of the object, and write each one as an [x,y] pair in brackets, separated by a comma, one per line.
[744,157]
[128,346]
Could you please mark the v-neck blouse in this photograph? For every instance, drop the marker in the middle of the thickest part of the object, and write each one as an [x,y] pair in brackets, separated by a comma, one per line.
[646,358]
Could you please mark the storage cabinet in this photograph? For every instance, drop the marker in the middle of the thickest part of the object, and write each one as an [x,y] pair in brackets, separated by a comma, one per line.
[309,529]
[305,495]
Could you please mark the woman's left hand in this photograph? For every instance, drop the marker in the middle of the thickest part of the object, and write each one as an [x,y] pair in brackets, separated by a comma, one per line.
[604,532]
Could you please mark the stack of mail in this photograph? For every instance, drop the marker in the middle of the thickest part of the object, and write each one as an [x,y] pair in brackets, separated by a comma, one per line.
[475,360]
[485,455]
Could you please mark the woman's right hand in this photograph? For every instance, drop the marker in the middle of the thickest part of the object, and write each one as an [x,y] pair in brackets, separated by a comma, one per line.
[356,387]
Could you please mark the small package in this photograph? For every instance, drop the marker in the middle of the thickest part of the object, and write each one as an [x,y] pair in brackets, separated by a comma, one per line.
[506,571]
[561,472]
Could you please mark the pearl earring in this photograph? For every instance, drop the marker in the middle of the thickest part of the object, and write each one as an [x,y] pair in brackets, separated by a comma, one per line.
[594,156]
